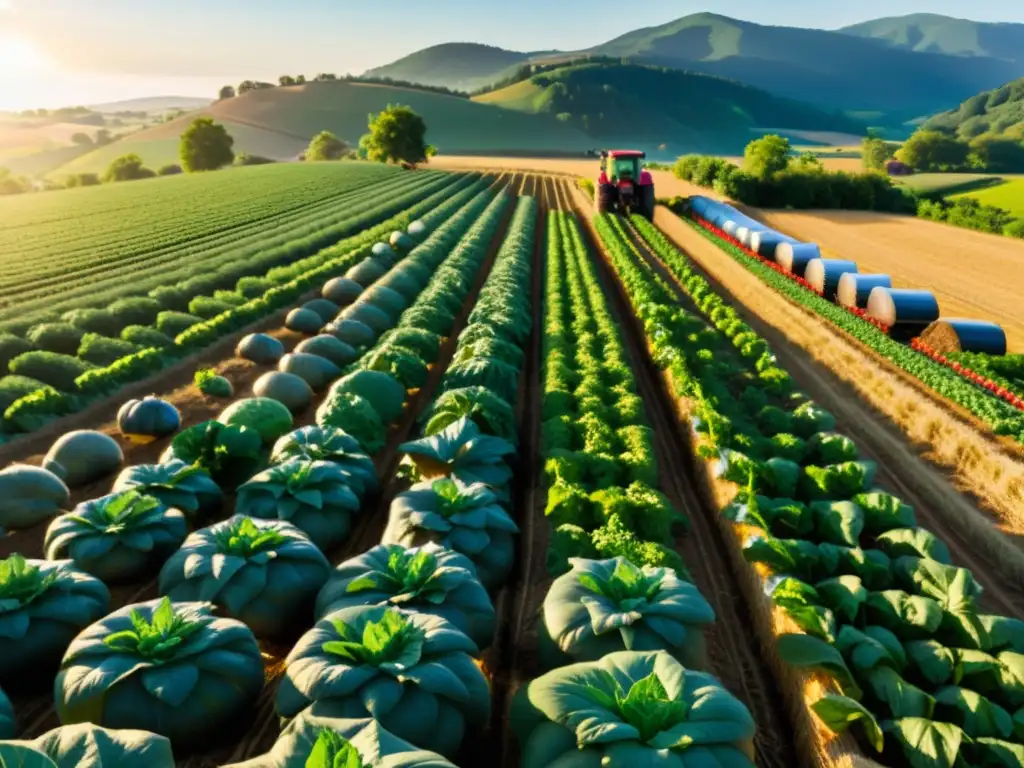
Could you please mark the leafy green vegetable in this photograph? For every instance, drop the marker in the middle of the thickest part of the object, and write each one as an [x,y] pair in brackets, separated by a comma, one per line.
[461,451]
[493,415]
[231,454]
[926,743]
[89,746]
[176,484]
[355,416]
[840,712]
[334,445]
[806,652]
[267,417]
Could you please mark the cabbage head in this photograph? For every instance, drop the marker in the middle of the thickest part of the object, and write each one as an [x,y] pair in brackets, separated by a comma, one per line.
[491,414]
[231,454]
[314,496]
[329,444]
[89,746]
[265,573]
[427,579]
[603,606]
[631,708]
[412,672]
[118,537]
[462,452]
[354,415]
[176,485]
[43,606]
[172,669]
[464,518]
[327,742]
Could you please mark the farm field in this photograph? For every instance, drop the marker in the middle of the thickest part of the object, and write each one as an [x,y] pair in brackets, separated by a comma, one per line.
[1008,196]
[509,338]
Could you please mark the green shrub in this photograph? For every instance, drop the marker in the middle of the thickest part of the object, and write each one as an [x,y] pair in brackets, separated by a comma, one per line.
[171,297]
[93,321]
[15,387]
[143,336]
[208,307]
[59,371]
[234,298]
[1014,229]
[253,287]
[169,170]
[100,350]
[136,310]
[61,338]
[173,323]
[10,347]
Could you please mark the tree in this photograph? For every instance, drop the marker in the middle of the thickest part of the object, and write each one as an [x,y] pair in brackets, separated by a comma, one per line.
[300,79]
[252,85]
[996,154]
[875,153]
[205,146]
[326,146]
[103,137]
[81,180]
[127,168]
[227,92]
[11,184]
[397,135]
[933,151]
[286,80]
[81,139]
[767,156]
[324,77]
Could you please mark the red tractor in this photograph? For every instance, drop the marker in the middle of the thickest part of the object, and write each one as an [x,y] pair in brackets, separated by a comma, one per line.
[624,186]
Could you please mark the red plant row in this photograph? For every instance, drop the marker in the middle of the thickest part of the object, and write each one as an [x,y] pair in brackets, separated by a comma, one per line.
[974,377]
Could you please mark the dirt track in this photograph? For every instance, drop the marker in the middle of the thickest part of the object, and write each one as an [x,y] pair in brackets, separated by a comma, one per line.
[971,273]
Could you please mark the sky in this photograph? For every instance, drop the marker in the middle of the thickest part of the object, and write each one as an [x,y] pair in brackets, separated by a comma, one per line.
[64,52]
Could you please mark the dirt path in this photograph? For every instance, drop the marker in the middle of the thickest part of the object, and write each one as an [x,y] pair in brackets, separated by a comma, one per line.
[733,650]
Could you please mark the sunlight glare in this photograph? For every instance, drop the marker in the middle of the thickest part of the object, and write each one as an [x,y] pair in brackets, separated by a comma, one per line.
[18,56]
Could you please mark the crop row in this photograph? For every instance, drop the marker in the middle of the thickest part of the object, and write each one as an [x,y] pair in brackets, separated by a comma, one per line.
[1001,415]
[49,385]
[875,604]
[188,676]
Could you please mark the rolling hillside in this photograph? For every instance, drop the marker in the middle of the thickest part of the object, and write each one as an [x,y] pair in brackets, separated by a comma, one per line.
[153,104]
[460,66]
[654,106]
[931,33]
[279,122]
[999,112]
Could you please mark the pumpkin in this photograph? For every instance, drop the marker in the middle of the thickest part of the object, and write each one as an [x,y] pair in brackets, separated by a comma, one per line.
[269,418]
[384,252]
[143,421]
[82,456]
[401,242]
[30,495]
[367,272]
[417,230]
[286,388]
[304,321]
[318,372]
[325,308]
[352,332]
[369,315]
[260,349]
[341,291]
[387,300]
[325,345]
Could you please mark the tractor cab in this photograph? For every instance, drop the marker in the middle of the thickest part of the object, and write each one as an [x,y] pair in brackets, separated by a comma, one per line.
[623,185]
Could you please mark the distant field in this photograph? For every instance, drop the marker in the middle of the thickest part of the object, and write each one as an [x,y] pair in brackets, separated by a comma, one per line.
[279,122]
[949,183]
[1008,195]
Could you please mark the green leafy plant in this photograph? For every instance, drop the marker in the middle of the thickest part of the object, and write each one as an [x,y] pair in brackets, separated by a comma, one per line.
[116,537]
[175,484]
[491,414]
[85,745]
[231,454]
[334,445]
[428,579]
[210,383]
[462,452]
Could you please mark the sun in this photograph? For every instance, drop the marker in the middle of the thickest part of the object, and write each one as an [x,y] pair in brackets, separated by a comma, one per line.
[18,56]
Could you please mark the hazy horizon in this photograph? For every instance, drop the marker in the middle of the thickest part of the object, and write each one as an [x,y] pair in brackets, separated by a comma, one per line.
[57,53]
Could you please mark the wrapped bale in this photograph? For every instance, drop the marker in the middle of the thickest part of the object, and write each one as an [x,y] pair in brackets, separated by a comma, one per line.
[765,242]
[794,257]
[854,289]
[953,334]
[699,204]
[824,275]
[909,310]
[746,233]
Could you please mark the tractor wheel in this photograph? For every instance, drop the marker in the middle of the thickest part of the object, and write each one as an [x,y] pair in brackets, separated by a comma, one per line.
[604,198]
[646,204]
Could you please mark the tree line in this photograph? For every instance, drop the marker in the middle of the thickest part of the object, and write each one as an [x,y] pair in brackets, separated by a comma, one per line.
[231,91]
[942,152]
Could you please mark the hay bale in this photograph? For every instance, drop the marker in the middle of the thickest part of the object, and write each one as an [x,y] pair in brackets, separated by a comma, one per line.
[955,334]
[903,308]
[766,242]
[794,257]
[824,275]
[854,289]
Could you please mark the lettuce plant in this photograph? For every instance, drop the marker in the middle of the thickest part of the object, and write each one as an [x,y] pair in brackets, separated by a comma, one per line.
[265,573]
[603,606]
[631,708]
[427,579]
[491,414]
[356,416]
[314,496]
[330,742]
[462,452]
[7,724]
[43,605]
[172,669]
[175,484]
[89,746]
[329,444]
[464,518]
[231,454]
[412,672]
[117,537]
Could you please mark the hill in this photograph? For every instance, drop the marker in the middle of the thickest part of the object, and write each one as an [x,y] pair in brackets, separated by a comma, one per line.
[660,107]
[998,112]
[832,69]
[279,122]
[153,104]
[931,33]
[460,66]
